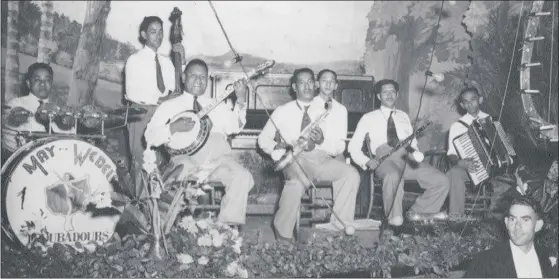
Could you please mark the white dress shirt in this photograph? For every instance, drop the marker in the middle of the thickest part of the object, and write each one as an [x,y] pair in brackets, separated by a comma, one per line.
[289,116]
[457,129]
[225,121]
[527,265]
[375,123]
[141,77]
[31,103]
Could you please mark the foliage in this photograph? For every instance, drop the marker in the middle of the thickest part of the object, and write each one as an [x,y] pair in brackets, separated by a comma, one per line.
[63,58]
[434,253]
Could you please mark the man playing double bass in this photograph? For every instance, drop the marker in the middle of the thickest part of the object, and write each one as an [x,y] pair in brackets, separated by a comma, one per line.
[150,80]
[216,152]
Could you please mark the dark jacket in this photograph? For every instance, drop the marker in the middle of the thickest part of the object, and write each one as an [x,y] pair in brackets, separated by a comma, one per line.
[498,262]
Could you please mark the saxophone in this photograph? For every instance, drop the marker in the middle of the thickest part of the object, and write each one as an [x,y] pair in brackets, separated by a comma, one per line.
[285,156]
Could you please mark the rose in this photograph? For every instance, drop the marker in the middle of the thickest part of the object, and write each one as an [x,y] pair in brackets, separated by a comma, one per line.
[203,260]
[149,159]
[184,258]
[204,240]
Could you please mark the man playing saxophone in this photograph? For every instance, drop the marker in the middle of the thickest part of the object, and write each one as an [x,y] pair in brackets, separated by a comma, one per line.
[320,145]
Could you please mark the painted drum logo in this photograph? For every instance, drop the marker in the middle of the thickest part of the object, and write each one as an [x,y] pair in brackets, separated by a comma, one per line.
[55,190]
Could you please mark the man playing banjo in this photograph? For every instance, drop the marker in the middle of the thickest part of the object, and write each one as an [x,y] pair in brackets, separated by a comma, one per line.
[216,152]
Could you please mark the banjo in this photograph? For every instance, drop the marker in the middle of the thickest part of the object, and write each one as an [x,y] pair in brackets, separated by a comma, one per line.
[188,143]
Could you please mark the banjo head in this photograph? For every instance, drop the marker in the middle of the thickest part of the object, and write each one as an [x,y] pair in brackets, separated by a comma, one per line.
[181,140]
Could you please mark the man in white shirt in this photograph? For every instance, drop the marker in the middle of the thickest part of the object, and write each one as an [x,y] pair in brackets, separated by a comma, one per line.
[317,161]
[470,100]
[216,152]
[518,257]
[150,80]
[21,115]
[385,127]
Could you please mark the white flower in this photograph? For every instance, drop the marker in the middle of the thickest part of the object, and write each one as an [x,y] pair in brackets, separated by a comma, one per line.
[203,260]
[237,245]
[202,224]
[232,269]
[553,261]
[205,240]
[184,258]
[243,273]
[217,240]
[213,232]
[189,224]
[102,200]
[149,158]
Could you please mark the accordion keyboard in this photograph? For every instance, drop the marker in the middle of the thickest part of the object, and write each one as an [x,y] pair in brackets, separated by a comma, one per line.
[466,149]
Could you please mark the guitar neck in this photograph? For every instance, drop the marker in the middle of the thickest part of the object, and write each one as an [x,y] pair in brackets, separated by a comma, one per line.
[405,141]
[228,90]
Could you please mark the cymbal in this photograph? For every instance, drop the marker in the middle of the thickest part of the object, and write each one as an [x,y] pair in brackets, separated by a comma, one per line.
[131,111]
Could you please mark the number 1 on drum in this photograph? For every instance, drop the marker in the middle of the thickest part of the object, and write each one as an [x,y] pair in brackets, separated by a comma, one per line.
[22,194]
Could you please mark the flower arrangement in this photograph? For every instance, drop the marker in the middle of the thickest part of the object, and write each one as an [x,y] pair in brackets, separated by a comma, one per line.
[205,247]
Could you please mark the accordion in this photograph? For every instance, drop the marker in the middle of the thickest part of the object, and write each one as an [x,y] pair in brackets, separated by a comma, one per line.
[486,143]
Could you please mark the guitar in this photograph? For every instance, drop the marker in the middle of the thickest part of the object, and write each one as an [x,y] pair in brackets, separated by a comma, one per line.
[385,151]
[190,142]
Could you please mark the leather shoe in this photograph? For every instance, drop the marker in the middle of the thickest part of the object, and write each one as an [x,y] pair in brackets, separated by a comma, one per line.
[280,239]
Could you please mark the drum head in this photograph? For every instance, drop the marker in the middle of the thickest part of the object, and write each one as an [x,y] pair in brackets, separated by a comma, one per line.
[50,187]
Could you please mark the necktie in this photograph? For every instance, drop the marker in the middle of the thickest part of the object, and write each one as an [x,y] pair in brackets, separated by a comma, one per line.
[306,119]
[196,105]
[391,133]
[160,83]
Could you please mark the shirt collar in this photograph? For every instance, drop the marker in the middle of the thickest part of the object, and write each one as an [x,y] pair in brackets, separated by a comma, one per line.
[36,99]
[386,110]
[469,117]
[302,104]
[149,50]
[516,250]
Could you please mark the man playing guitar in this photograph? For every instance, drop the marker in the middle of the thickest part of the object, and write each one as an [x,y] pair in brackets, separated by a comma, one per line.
[22,110]
[216,152]
[385,127]
[321,145]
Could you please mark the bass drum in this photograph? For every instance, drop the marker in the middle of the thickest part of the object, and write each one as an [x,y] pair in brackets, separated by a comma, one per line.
[59,188]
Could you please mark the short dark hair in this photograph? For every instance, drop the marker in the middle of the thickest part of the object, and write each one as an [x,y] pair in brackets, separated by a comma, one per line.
[378,86]
[145,24]
[527,201]
[322,72]
[196,61]
[468,89]
[300,71]
[37,66]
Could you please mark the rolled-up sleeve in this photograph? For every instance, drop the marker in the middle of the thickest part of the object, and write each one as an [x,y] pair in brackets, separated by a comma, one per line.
[356,144]
[158,130]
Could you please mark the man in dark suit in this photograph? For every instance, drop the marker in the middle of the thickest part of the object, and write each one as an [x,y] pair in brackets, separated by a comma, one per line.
[518,257]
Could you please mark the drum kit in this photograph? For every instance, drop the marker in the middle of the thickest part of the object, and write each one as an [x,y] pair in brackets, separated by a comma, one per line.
[89,123]
[55,170]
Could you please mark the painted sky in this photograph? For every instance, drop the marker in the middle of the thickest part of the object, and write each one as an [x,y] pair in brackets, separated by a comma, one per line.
[287,31]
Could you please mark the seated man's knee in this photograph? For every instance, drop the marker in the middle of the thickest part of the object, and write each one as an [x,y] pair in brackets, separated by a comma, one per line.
[352,174]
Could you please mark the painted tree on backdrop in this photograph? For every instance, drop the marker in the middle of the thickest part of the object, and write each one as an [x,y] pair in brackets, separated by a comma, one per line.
[85,71]
[401,36]
[47,46]
[493,26]
[11,76]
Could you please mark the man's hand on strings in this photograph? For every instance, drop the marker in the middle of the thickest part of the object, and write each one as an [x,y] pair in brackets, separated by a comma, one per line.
[185,124]
[241,90]
[373,164]
[281,145]
[316,135]
[178,47]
